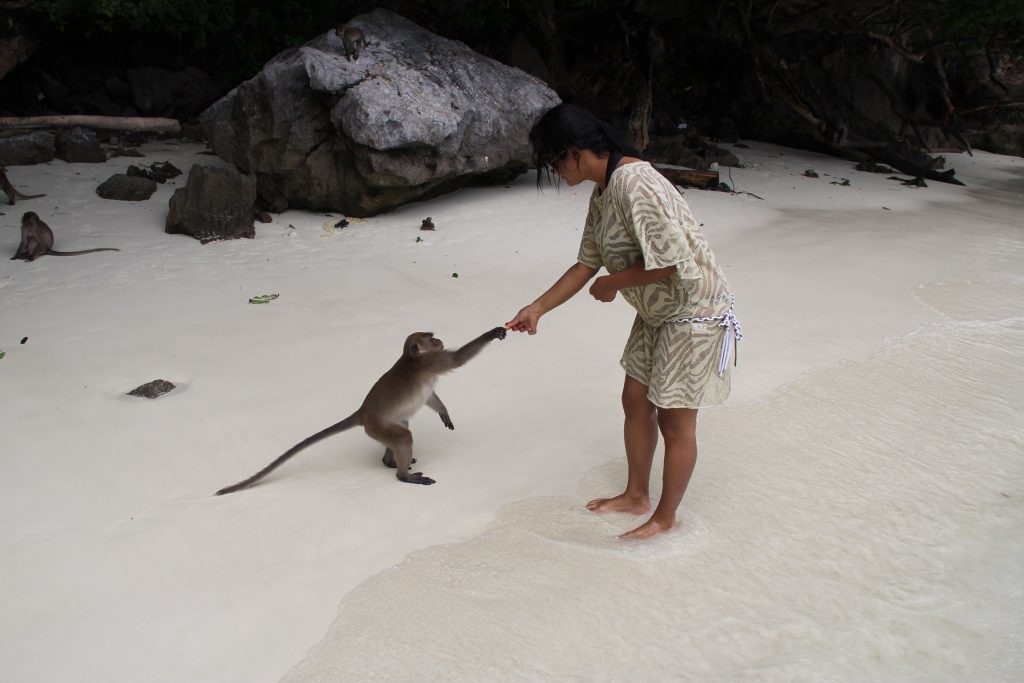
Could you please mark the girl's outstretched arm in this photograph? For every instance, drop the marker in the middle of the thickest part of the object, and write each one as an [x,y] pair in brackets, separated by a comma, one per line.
[565,288]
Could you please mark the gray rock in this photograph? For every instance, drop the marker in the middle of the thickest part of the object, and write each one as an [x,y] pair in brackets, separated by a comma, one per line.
[415,116]
[215,204]
[126,188]
[23,149]
[159,171]
[79,145]
[157,387]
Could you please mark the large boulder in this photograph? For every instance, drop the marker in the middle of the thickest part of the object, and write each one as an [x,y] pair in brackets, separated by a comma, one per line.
[79,145]
[415,116]
[215,204]
[24,149]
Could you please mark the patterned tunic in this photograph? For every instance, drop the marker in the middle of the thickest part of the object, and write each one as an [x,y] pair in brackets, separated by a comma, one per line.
[642,215]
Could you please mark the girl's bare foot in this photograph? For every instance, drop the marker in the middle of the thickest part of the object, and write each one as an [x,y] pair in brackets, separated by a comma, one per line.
[649,528]
[638,505]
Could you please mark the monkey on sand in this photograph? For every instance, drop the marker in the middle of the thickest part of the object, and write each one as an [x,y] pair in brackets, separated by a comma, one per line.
[10,190]
[37,240]
[393,399]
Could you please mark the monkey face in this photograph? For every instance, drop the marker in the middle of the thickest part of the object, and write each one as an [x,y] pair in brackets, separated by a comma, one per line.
[421,343]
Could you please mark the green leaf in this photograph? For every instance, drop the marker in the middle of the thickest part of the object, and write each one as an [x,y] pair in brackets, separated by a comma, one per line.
[263,298]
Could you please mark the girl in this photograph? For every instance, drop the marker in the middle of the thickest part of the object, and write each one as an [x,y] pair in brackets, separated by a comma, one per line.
[676,360]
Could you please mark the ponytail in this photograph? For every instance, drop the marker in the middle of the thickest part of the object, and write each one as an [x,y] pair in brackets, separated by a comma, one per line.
[616,141]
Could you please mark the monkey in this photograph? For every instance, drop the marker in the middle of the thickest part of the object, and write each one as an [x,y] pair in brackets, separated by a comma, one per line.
[37,240]
[10,191]
[353,39]
[392,400]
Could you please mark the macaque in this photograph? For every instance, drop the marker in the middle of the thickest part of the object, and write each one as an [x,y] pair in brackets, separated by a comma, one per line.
[37,240]
[353,39]
[393,399]
[10,190]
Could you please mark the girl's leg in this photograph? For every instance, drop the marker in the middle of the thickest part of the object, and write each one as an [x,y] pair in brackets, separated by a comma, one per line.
[640,432]
[679,427]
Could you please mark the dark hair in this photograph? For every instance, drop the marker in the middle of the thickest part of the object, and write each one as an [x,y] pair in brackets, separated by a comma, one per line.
[570,125]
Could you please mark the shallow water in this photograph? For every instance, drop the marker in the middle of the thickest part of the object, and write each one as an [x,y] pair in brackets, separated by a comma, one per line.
[862,523]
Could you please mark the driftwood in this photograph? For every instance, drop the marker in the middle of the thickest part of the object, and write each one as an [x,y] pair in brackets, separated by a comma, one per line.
[688,177]
[128,123]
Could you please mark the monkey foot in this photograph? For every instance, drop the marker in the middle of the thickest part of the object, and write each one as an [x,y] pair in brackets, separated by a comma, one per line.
[621,503]
[416,478]
[389,461]
[646,530]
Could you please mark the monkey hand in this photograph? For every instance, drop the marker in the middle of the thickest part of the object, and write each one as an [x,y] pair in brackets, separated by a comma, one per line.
[447,422]
[498,333]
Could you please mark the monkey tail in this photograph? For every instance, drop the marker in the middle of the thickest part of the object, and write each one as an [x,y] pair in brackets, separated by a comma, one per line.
[349,422]
[75,253]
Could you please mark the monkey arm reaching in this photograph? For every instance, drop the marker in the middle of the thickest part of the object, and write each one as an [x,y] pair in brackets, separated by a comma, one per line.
[466,352]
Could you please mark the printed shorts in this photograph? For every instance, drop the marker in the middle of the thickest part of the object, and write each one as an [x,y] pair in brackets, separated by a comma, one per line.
[678,363]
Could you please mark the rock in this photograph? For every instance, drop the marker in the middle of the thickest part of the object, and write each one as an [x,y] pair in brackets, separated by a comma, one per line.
[416,116]
[164,171]
[810,173]
[157,387]
[79,146]
[162,92]
[1007,138]
[23,149]
[690,150]
[215,204]
[124,187]
[160,171]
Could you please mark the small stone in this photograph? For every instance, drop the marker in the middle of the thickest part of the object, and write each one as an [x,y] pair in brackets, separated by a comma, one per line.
[157,387]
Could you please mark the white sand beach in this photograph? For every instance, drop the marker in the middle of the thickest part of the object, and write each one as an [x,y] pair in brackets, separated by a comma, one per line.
[857,511]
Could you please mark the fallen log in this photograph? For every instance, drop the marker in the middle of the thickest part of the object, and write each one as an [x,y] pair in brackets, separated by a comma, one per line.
[910,167]
[688,177]
[127,123]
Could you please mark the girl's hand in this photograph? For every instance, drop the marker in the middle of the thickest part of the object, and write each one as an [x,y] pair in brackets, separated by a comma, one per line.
[525,320]
[603,289]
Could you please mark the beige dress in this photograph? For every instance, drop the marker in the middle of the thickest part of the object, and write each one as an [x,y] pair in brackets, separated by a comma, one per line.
[642,215]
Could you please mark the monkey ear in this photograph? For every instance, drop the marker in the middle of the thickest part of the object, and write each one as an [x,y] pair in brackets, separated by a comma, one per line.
[414,349]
